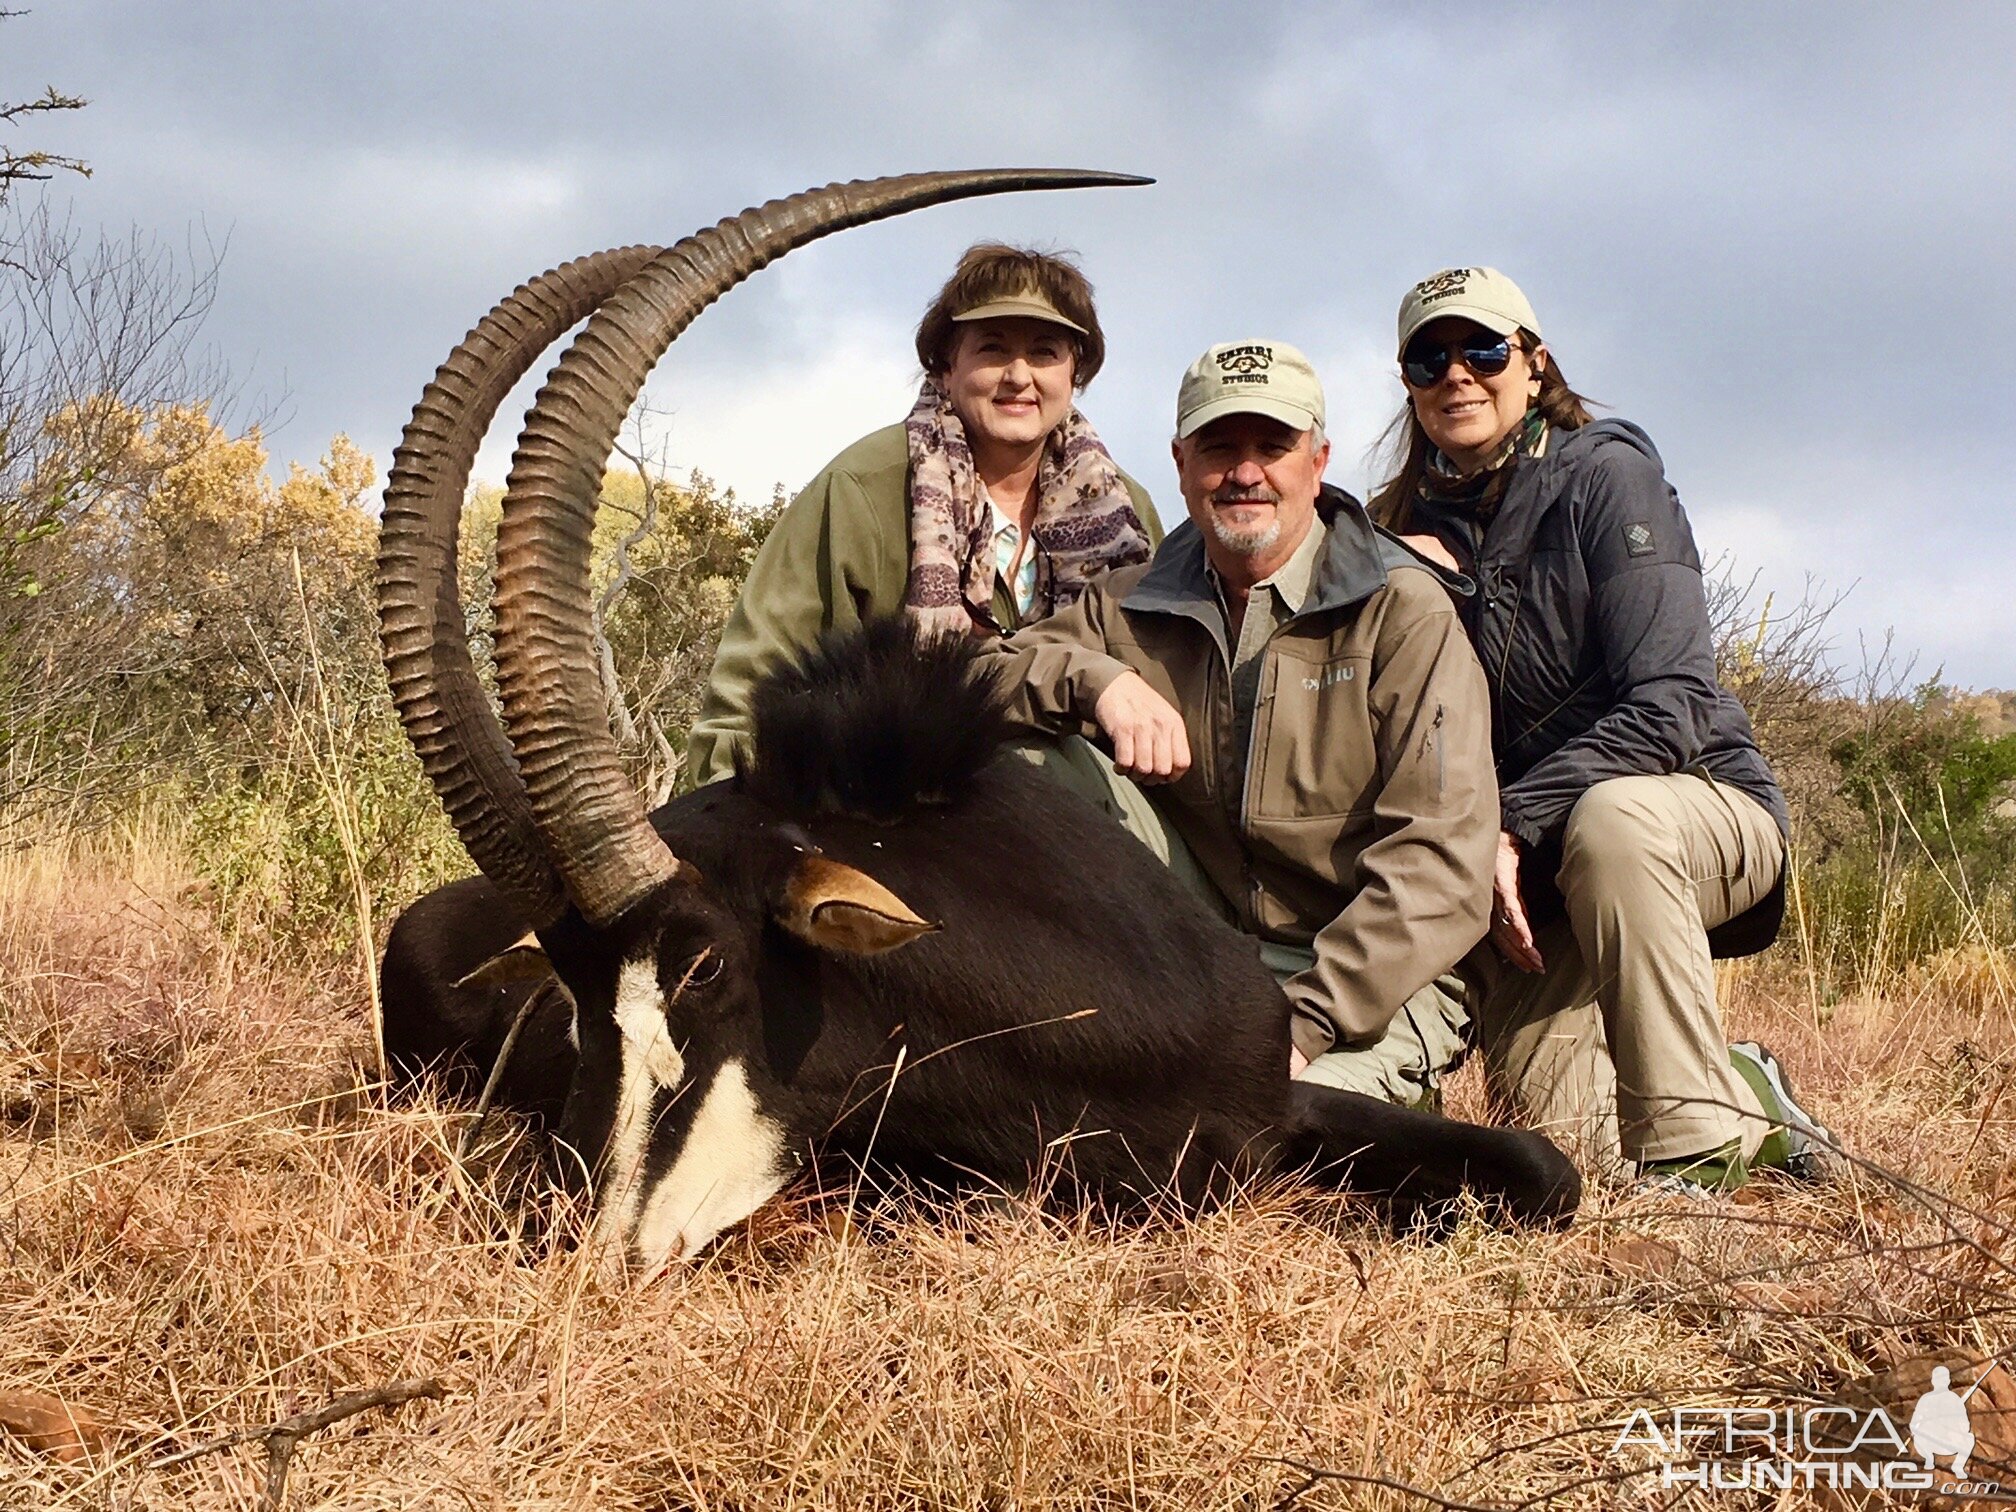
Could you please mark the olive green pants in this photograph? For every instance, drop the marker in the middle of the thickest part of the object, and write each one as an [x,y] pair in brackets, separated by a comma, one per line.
[1427,1036]
[1617,1045]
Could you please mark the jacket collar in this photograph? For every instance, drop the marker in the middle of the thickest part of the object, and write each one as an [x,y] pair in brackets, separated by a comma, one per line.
[1538,484]
[1356,559]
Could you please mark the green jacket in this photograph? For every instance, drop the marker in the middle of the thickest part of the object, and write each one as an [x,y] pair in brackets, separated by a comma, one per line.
[1366,824]
[838,555]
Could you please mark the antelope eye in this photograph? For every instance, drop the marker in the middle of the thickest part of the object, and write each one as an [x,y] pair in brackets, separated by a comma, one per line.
[702,969]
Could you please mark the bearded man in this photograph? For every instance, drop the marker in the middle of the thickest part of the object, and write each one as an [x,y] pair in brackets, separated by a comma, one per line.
[1289,713]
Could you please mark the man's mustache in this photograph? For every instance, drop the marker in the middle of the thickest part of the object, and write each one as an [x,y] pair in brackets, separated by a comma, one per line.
[1258,495]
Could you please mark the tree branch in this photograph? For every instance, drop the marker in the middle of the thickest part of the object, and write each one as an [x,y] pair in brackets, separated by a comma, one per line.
[1316,1474]
[282,1437]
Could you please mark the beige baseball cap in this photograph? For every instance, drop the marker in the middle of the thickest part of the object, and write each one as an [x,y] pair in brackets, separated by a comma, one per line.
[1481,294]
[1031,303]
[1249,378]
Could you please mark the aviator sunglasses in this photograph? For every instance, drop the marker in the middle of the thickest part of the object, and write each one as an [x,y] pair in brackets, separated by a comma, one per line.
[1485,353]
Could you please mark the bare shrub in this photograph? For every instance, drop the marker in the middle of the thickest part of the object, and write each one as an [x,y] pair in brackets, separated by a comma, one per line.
[93,337]
[669,559]
[1903,838]
[1777,658]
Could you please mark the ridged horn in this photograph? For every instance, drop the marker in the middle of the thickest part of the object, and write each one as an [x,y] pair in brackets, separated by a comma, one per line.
[547,671]
[441,702]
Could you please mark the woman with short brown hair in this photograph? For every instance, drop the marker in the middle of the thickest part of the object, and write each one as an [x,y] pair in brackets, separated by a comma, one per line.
[995,277]
[994,503]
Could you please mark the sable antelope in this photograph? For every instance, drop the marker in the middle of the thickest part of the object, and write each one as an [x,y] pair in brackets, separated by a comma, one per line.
[875,935]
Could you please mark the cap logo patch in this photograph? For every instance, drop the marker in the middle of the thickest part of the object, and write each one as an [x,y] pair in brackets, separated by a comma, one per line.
[1245,360]
[1443,285]
[1266,378]
[1638,538]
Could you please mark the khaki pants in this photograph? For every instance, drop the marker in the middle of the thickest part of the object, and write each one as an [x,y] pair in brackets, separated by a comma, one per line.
[1617,1045]
[1425,1039]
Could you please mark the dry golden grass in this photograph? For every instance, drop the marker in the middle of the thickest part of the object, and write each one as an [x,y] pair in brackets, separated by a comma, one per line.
[209,1221]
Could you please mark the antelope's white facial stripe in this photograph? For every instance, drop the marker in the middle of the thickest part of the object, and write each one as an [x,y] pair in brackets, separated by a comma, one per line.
[651,1064]
[732,1162]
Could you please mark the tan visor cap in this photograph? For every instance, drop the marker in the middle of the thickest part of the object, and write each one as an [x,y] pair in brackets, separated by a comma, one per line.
[1031,304]
[1266,378]
[1481,294]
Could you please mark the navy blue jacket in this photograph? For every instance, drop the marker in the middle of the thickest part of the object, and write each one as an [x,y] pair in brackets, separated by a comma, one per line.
[1592,625]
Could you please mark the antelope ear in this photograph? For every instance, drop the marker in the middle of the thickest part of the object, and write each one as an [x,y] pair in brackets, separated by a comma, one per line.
[523,962]
[831,905]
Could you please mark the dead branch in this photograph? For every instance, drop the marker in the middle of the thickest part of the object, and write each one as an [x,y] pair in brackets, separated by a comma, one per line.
[282,1437]
[49,99]
[532,1001]
[668,761]
[16,167]
[1315,1475]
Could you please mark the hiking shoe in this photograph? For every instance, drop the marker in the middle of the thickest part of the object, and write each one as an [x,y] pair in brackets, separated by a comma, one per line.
[1712,1173]
[1673,1184]
[1799,1145]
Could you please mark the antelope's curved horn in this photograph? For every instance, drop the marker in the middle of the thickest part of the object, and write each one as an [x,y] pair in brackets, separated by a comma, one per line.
[553,708]
[441,703]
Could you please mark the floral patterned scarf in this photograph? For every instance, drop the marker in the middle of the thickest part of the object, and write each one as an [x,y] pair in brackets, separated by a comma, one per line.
[1085,520]
[1481,488]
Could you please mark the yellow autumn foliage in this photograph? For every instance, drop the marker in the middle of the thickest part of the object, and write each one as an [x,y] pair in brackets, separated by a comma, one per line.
[166,628]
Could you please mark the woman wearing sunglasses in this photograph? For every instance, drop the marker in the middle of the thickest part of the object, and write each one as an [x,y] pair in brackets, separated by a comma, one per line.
[1643,833]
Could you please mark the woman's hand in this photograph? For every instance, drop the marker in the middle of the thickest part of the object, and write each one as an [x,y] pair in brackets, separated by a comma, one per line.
[1432,548]
[1149,741]
[1510,931]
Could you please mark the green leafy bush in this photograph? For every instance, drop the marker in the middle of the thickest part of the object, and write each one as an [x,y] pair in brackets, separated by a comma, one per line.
[1926,866]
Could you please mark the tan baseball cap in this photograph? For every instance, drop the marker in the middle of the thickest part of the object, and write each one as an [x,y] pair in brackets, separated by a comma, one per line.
[1481,294]
[1249,378]
[1032,303]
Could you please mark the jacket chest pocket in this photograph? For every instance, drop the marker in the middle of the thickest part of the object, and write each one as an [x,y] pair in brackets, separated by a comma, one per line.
[1312,755]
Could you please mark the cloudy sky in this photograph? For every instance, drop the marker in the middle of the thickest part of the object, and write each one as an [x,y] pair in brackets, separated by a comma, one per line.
[1777,236]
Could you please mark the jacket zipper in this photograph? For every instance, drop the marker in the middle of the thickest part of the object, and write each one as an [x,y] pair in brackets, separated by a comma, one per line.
[1264,694]
[1435,739]
[1505,657]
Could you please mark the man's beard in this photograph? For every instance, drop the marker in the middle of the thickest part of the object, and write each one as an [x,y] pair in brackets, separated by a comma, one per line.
[1254,539]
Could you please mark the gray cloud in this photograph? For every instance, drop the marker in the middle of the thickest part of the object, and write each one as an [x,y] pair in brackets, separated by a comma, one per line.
[1773,235]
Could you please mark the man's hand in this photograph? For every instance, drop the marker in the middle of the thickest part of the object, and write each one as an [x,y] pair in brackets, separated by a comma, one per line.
[1149,741]
[1510,931]
[1432,548]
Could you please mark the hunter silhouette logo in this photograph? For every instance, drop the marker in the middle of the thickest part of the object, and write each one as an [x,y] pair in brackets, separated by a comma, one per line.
[1443,285]
[1939,1423]
[1246,359]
